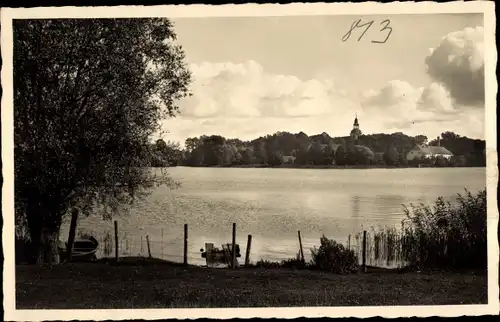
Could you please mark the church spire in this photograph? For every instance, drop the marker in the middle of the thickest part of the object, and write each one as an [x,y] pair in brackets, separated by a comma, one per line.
[356,132]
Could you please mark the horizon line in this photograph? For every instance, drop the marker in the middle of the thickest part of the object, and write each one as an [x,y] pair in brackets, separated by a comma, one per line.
[153,138]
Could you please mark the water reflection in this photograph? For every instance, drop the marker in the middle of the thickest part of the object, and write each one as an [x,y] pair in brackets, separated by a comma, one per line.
[355,206]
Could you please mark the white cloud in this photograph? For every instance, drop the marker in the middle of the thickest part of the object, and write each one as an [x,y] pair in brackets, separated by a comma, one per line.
[458,62]
[245,90]
[435,98]
[397,98]
[244,101]
[430,110]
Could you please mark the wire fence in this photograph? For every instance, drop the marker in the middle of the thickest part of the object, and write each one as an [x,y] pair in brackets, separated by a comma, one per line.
[384,248]
[132,245]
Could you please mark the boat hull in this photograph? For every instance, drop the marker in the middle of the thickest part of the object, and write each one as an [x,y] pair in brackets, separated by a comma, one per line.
[84,250]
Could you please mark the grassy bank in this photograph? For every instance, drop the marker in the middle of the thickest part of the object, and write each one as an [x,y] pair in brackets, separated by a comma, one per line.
[146,284]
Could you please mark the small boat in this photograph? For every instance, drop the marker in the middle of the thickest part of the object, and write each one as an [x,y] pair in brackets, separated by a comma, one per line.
[84,249]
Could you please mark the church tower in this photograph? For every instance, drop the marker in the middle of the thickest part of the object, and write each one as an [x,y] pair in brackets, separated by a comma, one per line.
[355,132]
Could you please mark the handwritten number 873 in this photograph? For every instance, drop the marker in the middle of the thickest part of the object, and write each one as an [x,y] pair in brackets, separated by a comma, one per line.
[367,25]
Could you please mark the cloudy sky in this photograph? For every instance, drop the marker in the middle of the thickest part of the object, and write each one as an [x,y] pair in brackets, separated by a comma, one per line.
[259,75]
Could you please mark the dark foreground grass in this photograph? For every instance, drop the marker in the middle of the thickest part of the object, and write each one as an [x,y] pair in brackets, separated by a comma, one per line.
[157,284]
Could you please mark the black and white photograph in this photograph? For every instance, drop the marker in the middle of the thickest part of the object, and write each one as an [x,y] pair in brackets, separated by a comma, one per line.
[338,157]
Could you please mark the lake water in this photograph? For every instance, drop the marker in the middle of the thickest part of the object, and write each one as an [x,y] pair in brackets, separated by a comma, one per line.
[272,205]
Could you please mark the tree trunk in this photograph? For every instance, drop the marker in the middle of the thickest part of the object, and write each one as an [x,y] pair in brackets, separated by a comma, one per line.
[48,250]
[44,225]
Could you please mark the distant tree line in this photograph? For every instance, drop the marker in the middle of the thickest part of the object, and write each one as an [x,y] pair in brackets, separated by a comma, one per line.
[317,150]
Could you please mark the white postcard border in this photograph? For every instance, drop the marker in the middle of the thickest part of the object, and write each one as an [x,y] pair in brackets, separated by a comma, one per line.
[367,8]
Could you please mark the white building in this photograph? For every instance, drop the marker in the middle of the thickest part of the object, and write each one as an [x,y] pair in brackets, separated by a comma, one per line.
[424,152]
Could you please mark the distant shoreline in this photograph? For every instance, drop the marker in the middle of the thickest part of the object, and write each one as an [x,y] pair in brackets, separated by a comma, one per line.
[340,167]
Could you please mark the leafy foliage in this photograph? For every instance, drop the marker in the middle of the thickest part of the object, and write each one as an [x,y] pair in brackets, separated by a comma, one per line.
[334,257]
[391,155]
[296,263]
[165,154]
[421,139]
[340,156]
[88,94]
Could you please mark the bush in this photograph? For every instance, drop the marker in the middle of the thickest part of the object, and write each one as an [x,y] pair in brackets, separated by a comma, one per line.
[446,236]
[334,257]
[441,162]
[294,263]
[289,263]
[267,264]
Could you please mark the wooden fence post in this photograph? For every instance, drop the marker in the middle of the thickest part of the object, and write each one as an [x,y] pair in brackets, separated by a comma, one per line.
[185,244]
[301,249]
[233,248]
[149,248]
[72,231]
[249,245]
[116,242]
[364,251]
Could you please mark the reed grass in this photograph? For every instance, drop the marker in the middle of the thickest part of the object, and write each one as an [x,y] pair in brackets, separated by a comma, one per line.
[447,236]
[108,244]
[443,236]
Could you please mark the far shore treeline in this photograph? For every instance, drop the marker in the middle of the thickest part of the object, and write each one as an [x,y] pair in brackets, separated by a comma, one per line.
[284,149]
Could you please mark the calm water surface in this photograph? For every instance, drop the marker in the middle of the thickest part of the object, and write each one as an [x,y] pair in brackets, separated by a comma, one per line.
[273,204]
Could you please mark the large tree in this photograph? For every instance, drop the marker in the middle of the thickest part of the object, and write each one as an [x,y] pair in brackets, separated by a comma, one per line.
[316,154]
[341,155]
[421,139]
[247,156]
[213,150]
[391,155]
[261,154]
[87,95]
[165,154]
